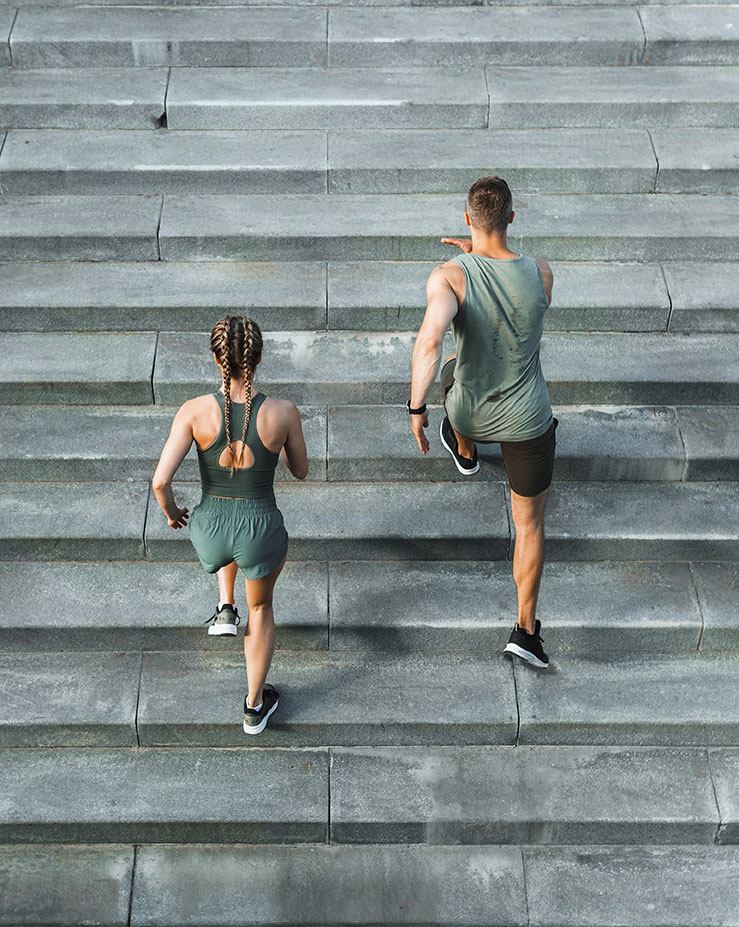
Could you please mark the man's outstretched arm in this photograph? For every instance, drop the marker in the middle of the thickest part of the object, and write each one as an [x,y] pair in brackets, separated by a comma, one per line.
[441,308]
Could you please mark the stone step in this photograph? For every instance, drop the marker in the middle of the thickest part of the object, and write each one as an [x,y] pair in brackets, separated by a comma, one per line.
[48,37]
[654,608]
[105,98]
[696,160]
[701,298]
[684,33]
[7,17]
[373,443]
[548,97]
[618,227]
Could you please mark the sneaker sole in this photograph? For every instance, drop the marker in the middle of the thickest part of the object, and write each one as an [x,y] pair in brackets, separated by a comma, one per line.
[456,462]
[220,630]
[525,655]
[258,728]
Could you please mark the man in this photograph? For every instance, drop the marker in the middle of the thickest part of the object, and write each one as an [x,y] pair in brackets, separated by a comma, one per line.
[494,389]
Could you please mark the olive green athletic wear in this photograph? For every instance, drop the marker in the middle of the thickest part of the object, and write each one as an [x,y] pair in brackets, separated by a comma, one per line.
[499,391]
[237,519]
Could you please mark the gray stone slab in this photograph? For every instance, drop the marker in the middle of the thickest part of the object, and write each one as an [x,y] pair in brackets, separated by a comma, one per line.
[72,521]
[161,37]
[375,443]
[532,161]
[113,443]
[724,770]
[691,34]
[478,795]
[502,36]
[631,886]
[65,884]
[258,98]
[391,296]
[69,699]
[330,699]
[406,606]
[602,227]
[648,521]
[711,437]
[146,161]
[611,96]
[73,228]
[638,698]
[289,885]
[7,17]
[164,796]
[40,607]
[718,593]
[705,295]
[148,296]
[86,98]
[697,160]
[76,368]
[381,521]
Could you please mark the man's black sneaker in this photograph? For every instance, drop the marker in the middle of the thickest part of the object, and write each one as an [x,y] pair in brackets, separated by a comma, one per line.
[527,646]
[224,620]
[256,721]
[449,440]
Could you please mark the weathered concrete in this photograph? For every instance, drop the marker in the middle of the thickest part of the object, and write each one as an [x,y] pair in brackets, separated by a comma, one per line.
[113,443]
[503,36]
[684,34]
[330,698]
[65,885]
[697,160]
[471,606]
[7,16]
[705,295]
[384,521]
[391,296]
[163,796]
[355,98]
[160,295]
[161,37]
[124,98]
[474,795]
[148,606]
[638,698]
[140,161]
[576,96]
[724,770]
[718,592]
[631,886]
[380,885]
[72,521]
[69,699]
[79,228]
[650,521]
[76,368]
[711,439]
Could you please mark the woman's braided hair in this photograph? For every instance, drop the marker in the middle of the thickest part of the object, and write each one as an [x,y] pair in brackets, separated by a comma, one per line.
[237,344]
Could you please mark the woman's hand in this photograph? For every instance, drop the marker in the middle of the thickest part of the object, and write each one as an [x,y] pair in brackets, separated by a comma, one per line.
[464,243]
[179,520]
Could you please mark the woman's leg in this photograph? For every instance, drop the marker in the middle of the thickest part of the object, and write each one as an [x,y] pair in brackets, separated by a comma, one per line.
[226,581]
[465,447]
[259,638]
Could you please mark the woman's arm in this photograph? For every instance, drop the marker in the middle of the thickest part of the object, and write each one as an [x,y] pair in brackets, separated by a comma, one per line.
[294,452]
[175,450]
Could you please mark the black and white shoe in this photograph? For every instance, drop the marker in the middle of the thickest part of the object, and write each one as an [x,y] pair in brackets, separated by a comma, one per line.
[465,465]
[224,621]
[256,721]
[527,646]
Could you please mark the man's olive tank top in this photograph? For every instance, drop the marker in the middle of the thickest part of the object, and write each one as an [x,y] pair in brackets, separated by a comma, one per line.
[499,391]
[253,481]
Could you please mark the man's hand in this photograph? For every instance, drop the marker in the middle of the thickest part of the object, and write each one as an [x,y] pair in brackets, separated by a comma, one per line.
[418,423]
[464,243]
[179,519]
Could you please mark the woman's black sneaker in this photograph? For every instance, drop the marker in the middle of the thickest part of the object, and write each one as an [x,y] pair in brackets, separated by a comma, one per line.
[224,621]
[527,646]
[256,721]
[465,465]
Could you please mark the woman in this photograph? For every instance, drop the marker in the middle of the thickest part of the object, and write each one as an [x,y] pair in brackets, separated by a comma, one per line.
[237,523]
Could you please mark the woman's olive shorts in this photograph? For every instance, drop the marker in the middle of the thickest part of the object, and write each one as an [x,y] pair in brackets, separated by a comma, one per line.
[249,532]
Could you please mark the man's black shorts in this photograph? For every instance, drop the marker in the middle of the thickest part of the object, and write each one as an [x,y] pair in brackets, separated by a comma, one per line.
[528,464]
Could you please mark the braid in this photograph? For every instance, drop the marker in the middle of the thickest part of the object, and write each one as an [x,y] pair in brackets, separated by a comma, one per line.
[220,343]
[248,370]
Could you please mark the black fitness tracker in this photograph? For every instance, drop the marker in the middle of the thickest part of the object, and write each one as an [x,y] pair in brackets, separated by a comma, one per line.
[421,411]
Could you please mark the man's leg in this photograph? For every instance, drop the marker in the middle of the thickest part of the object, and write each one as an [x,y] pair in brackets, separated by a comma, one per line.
[465,447]
[528,556]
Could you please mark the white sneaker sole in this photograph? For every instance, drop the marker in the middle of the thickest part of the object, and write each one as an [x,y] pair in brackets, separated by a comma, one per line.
[257,729]
[220,629]
[525,655]
[454,458]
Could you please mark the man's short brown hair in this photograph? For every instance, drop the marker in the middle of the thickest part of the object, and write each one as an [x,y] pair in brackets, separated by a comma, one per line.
[489,204]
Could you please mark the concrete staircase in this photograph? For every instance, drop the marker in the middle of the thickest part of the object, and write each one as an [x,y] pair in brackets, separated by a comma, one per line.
[163,165]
